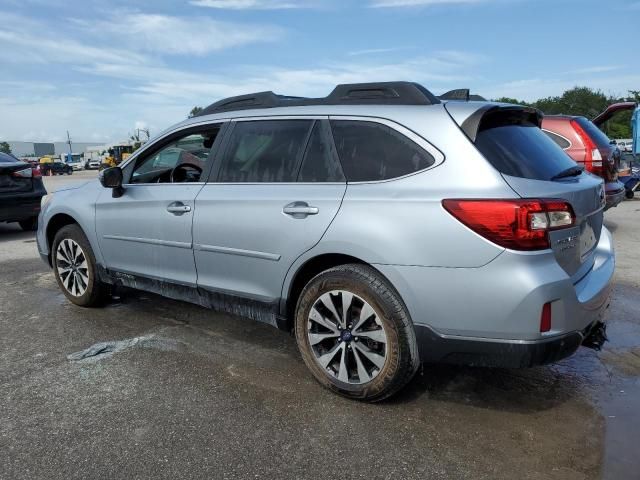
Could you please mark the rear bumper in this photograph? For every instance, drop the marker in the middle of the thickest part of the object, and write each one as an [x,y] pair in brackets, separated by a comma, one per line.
[479,315]
[614,194]
[20,207]
[435,348]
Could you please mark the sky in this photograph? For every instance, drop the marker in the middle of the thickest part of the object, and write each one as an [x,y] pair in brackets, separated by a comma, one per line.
[103,68]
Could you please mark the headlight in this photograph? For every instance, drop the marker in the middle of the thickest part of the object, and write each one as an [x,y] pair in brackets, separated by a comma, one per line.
[46,199]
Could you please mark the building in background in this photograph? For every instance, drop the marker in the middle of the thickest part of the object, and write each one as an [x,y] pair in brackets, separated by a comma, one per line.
[42,149]
[28,149]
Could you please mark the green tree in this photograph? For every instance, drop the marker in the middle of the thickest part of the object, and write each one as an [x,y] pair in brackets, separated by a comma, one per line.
[5,148]
[510,100]
[195,111]
[582,101]
[634,96]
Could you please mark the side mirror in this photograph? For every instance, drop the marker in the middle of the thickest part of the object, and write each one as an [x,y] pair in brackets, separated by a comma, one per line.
[112,178]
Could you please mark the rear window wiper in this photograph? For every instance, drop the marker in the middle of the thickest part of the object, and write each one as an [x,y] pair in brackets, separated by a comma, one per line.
[569,172]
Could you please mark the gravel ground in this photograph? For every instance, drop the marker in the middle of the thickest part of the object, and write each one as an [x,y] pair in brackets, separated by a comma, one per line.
[183,392]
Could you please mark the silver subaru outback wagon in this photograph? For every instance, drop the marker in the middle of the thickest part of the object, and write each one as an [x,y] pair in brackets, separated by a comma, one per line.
[383,225]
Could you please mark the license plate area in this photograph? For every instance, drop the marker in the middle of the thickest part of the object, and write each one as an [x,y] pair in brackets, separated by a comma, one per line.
[588,238]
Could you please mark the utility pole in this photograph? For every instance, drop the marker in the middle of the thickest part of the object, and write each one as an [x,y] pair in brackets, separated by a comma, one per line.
[143,130]
[69,143]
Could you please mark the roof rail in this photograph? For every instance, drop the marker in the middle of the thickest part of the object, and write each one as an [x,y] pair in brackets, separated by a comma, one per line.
[461,94]
[382,93]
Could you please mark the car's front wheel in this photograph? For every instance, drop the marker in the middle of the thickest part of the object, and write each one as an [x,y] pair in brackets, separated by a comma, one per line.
[355,334]
[75,268]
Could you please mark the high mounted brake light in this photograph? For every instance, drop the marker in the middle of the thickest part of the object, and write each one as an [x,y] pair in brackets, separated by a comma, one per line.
[519,224]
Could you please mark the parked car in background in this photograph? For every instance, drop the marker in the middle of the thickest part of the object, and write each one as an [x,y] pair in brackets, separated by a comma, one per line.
[587,145]
[74,160]
[625,144]
[56,168]
[382,225]
[93,164]
[21,192]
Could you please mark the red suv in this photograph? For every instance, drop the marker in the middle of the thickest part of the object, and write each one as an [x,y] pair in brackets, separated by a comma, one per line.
[589,147]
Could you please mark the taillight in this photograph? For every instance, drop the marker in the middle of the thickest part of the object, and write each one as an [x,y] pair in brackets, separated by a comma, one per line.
[593,158]
[520,224]
[35,172]
[25,173]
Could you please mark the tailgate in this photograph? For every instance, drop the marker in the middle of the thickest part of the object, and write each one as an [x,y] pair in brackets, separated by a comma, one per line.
[534,166]
[573,247]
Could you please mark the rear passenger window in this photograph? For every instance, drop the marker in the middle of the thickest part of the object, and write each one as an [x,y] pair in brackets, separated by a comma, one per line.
[264,151]
[561,141]
[371,151]
[320,162]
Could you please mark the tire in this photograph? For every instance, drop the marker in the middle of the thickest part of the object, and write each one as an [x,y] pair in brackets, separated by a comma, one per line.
[89,291]
[29,225]
[629,194]
[362,289]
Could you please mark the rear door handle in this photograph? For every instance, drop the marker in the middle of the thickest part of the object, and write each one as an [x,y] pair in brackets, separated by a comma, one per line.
[178,208]
[300,209]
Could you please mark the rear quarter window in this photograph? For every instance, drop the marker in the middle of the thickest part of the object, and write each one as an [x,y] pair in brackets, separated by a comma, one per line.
[371,151]
[562,142]
[519,148]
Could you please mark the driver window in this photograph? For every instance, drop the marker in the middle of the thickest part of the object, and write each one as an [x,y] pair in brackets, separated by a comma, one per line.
[182,160]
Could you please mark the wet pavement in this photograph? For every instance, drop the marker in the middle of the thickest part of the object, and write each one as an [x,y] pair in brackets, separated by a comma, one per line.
[154,388]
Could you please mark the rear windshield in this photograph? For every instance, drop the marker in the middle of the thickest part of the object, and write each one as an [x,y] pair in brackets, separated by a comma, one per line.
[520,149]
[4,158]
[597,135]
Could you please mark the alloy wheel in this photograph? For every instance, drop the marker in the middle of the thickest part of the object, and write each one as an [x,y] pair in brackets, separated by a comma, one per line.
[72,266]
[347,337]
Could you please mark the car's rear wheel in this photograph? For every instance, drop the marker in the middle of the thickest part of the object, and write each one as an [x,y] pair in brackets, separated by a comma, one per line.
[29,225]
[75,268]
[629,194]
[355,334]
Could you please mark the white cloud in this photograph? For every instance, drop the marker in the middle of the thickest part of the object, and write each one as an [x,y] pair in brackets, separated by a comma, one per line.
[532,89]
[249,4]
[594,69]
[374,51]
[420,3]
[166,34]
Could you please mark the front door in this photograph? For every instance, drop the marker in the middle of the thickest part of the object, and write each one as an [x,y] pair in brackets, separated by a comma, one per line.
[265,209]
[145,235]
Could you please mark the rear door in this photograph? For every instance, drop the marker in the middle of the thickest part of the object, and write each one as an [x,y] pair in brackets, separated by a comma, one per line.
[278,187]
[536,167]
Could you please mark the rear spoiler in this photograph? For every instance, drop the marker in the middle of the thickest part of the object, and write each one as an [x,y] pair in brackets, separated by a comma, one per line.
[504,113]
[611,110]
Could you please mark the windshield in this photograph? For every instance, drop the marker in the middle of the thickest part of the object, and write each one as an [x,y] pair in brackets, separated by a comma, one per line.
[521,149]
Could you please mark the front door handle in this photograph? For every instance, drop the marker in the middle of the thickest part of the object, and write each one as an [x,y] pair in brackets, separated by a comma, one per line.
[300,209]
[178,208]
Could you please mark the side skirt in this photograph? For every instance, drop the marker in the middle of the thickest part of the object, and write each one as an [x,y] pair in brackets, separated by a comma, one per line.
[264,312]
